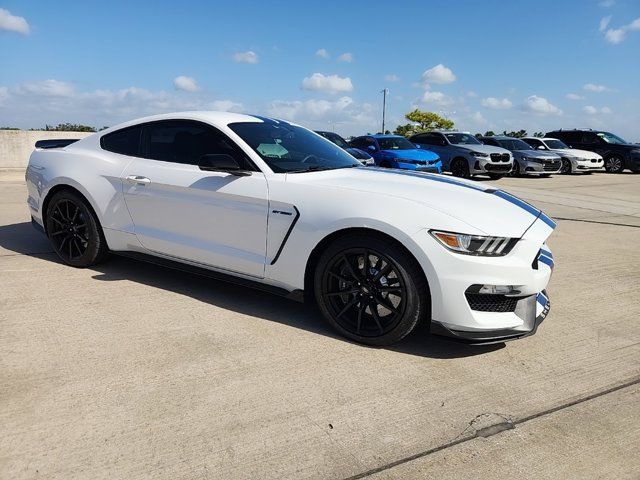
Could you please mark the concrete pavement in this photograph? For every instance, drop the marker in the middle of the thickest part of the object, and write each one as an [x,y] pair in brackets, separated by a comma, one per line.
[128,370]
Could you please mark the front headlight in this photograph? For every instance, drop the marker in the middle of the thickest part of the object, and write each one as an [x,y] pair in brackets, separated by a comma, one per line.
[474,244]
[479,154]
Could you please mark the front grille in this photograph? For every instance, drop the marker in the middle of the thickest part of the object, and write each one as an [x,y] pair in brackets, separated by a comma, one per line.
[482,302]
[499,157]
[551,166]
[497,168]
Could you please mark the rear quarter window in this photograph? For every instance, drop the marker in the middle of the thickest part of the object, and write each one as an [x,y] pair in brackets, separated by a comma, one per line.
[124,142]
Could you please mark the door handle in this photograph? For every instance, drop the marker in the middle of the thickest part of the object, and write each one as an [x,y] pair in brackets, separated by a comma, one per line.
[140,180]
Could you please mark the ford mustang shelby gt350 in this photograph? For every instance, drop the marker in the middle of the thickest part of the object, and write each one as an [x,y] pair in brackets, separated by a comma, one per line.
[270,204]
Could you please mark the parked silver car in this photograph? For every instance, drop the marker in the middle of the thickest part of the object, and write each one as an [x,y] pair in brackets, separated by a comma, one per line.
[573,160]
[527,160]
[464,156]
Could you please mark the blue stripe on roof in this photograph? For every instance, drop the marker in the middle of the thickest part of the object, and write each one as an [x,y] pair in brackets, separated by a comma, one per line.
[271,121]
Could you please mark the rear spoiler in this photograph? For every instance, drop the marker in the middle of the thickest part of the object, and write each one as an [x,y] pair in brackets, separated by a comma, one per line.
[56,143]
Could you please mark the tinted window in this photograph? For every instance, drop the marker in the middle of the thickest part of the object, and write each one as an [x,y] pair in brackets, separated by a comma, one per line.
[462,139]
[568,137]
[184,141]
[359,142]
[489,141]
[534,143]
[124,142]
[427,139]
[395,143]
[589,137]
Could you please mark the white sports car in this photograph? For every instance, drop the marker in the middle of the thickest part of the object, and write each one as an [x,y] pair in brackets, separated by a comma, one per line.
[272,205]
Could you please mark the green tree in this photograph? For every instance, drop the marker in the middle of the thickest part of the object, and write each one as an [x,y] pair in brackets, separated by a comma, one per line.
[426,121]
[538,134]
[69,127]
[489,133]
[518,134]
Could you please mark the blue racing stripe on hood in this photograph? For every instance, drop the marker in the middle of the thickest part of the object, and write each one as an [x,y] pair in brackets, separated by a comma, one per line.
[433,177]
[524,205]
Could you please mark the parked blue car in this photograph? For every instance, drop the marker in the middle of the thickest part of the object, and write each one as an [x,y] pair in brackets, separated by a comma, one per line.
[395,151]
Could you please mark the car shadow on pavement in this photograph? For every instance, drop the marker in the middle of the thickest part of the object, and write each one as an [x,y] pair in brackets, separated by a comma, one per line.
[22,238]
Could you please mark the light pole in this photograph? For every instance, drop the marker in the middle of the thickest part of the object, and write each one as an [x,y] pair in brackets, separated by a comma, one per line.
[384,106]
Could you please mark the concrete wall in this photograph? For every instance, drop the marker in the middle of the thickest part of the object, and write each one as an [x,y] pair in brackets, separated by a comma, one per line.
[17,145]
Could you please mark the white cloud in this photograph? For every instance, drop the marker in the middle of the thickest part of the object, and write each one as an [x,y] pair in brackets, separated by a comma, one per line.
[592,87]
[438,98]
[343,114]
[604,23]
[227,106]
[346,57]
[188,84]
[245,57]
[471,94]
[496,103]
[438,74]
[478,118]
[13,23]
[591,110]
[48,88]
[327,83]
[391,78]
[322,53]
[607,3]
[617,35]
[574,96]
[541,106]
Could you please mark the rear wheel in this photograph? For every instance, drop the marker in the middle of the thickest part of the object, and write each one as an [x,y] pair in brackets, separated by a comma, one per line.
[370,289]
[614,164]
[460,168]
[566,166]
[74,231]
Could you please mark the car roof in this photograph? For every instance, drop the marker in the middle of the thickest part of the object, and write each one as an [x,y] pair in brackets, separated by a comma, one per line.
[502,137]
[538,138]
[213,117]
[384,135]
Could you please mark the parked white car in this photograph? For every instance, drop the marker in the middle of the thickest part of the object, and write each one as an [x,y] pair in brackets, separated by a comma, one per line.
[573,160]
[270,204]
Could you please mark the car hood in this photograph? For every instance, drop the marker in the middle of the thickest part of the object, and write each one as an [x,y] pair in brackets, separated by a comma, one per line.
[574,152]
[490,211]
[537,154]
[411,154]
[483,148]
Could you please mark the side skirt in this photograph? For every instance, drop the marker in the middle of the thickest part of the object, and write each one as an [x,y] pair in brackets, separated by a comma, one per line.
[296,295]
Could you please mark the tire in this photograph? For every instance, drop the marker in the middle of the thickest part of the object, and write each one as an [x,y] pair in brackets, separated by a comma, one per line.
[460,168]
[385,164]
[381,304]
[74,230]
[495,176]
[614,164]
[515,172]
[566,168]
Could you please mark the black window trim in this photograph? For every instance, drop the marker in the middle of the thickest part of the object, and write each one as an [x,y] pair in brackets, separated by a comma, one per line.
[143,147]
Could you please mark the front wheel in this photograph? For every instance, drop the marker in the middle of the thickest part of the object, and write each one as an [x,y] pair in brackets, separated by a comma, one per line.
[460,168]
[566,166]
[614,164]
[74,230]
[370,289]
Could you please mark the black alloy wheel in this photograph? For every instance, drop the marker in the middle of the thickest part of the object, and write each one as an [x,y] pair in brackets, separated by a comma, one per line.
[565,169]
[74,231]
[370,290]
[460,168]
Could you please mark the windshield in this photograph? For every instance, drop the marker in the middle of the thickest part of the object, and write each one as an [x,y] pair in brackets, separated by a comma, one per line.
[462,139]
[335,138]
[288,148]
[395,143]
[515,144]
[611,138]
[556,144]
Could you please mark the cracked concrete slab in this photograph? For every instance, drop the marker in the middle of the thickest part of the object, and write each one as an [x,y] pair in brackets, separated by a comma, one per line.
[128,370]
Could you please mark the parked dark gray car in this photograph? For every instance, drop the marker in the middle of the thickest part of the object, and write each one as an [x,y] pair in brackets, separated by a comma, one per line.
[527,160]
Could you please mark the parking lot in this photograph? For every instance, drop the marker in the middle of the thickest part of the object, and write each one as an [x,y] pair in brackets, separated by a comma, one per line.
[129,370]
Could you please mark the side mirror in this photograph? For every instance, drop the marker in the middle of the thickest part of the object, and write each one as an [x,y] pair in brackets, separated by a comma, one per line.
[371,147]
[417,145]
[221,162]
[542,147]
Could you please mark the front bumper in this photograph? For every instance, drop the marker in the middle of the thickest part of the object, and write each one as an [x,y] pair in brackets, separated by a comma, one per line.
[585,165]
[527,268]
[434,166]
[542,167]
[492,167]
[532,309]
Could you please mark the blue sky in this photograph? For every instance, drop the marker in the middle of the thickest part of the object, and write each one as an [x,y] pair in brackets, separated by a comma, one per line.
[487,65]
